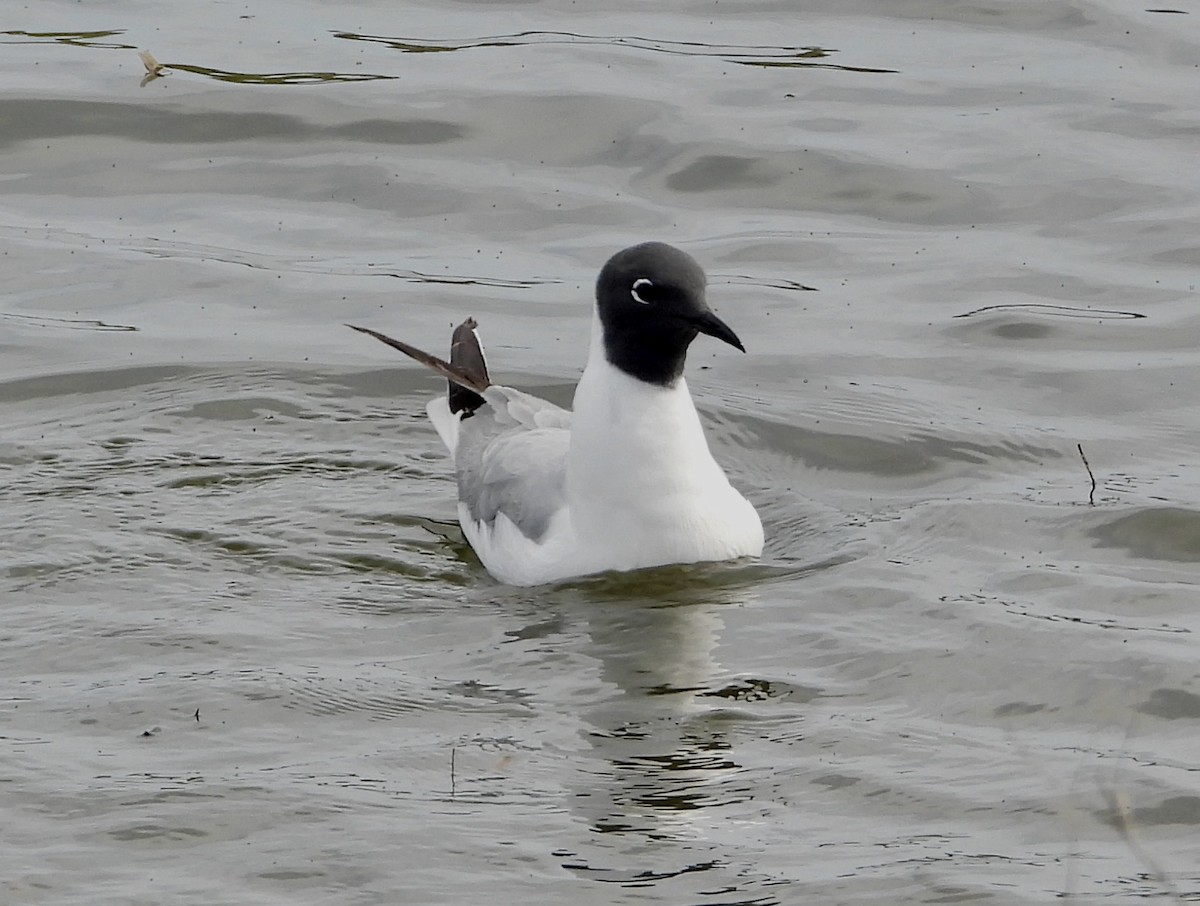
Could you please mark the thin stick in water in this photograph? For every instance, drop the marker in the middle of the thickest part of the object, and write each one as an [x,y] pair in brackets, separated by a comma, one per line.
[1092,494]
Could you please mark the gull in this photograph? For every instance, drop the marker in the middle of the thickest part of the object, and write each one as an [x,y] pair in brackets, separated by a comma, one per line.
[626,480]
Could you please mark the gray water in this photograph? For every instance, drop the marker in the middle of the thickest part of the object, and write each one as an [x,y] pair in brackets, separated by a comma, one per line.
[246,656]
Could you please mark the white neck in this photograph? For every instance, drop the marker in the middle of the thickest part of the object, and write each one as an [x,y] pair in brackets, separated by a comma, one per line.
[637,449]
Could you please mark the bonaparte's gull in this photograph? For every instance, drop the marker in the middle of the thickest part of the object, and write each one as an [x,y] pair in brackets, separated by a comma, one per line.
[625,481]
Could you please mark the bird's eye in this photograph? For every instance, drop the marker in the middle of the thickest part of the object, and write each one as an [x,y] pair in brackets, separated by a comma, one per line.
[643,291]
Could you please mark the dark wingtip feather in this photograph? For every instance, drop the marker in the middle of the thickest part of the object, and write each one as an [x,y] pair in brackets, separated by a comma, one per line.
[452,373]
[466,355]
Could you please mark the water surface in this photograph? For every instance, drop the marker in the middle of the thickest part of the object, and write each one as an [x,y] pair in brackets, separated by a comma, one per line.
[248,658]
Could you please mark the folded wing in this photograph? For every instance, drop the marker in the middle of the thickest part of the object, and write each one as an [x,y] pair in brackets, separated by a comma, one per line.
[509,448]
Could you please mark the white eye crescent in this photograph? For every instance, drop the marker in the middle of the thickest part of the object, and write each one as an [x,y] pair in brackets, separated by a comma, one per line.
[640,283]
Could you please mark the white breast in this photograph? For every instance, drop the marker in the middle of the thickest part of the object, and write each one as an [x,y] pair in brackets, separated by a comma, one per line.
[641,482]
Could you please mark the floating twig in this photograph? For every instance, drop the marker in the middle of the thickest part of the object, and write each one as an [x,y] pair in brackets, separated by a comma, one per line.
[1092,493]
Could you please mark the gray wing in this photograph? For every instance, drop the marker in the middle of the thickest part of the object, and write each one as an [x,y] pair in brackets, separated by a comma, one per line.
[512,458]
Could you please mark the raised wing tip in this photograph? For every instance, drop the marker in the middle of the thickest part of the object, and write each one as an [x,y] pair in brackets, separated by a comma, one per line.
[466,355]
[453,373]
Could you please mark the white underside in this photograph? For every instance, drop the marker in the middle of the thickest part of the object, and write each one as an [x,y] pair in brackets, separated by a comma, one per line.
[641,488]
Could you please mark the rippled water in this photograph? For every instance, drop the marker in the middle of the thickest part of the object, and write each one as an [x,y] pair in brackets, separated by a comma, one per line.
[247,656]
